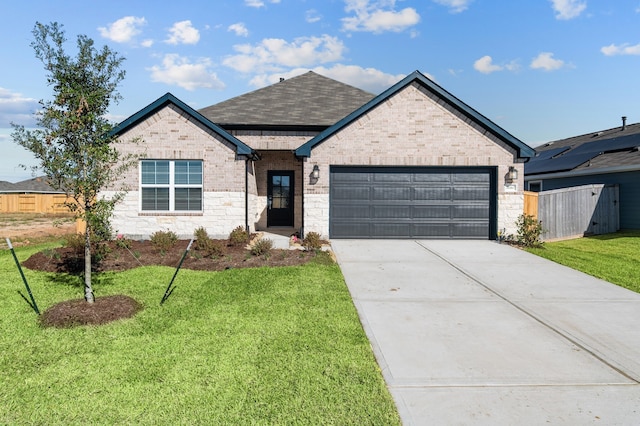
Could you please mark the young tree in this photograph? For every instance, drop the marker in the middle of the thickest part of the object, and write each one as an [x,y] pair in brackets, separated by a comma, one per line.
[73,141]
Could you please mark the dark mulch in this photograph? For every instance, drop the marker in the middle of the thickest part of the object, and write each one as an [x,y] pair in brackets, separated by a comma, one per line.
[106,309]
[141,253]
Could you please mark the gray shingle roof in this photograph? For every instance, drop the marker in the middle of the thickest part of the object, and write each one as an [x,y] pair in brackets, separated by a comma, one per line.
[308,100]
[614,147]
[37,184]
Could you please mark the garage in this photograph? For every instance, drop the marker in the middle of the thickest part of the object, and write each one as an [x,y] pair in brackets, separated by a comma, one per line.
[412,202]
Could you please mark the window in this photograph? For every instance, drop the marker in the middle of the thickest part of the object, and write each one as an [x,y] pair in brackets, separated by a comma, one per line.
[535,186]
[171,185]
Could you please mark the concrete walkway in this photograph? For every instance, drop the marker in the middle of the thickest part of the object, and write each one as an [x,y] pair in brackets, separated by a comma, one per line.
[474,332]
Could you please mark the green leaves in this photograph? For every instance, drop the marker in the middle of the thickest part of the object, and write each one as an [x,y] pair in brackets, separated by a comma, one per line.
[73,142]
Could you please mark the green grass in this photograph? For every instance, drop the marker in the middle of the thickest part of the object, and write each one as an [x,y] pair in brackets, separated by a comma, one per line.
[612,257]
[244,346]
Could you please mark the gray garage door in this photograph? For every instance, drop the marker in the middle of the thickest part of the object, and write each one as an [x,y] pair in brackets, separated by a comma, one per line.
[402,202]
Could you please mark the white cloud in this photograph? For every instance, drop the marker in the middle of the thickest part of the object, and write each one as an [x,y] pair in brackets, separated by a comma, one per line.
[183,32]
[239,29]
[16,108]
[369,79]
[545,61]
[568,9]
[455,6]
[622,49]
[312,16]
[485,65]
[124,29]
[377,16]
[179,71]
[258,3]
[272,54]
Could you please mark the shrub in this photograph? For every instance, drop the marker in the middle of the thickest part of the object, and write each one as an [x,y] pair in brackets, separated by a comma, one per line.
[76,243]
[206,245]
[164,240]
[529,231]
[123,242]
[99,248]
[200,234]
[239,236]
[312,241]
[262,247]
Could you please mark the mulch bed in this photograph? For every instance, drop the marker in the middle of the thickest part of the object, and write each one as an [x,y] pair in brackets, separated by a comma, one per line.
[106,309]
[141,253]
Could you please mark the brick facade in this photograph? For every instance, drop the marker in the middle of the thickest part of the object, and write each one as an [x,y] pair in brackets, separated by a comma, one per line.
[412,128]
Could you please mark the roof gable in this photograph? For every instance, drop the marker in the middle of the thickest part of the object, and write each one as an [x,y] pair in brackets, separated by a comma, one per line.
[143,114]
[309,100]
[522,149]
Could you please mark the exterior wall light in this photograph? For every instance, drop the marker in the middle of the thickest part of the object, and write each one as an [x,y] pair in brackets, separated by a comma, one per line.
[513,174]
[315,173]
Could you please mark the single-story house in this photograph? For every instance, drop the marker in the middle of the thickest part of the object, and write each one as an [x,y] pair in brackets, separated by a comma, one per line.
[313,154]
[606,157]
[33,195]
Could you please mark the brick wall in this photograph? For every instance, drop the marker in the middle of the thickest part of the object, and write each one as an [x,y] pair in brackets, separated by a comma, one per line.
[171,134]
[412,128]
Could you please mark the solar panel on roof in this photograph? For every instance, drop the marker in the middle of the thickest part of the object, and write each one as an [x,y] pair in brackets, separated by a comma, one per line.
[546,154]
[559,164]
[614,144]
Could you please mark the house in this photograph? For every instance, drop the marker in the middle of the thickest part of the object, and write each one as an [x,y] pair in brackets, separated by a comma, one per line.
[608,157]
[313,154]
[33,195]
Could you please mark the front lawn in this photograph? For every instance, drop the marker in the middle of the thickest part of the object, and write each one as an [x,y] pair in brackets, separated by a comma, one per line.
[612,257]
[243,346]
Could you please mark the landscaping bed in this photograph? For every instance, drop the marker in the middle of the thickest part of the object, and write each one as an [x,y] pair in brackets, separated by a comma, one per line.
[117,257]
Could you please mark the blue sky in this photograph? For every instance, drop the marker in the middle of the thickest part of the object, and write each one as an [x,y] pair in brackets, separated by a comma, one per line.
[542,70]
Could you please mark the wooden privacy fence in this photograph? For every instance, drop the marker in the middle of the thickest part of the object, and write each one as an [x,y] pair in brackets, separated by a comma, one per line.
[576,211]
[33,203]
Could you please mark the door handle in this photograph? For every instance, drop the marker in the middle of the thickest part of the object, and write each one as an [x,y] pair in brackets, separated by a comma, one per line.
[269,202]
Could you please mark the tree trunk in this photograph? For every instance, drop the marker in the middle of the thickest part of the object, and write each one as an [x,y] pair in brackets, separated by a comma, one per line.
[88,290]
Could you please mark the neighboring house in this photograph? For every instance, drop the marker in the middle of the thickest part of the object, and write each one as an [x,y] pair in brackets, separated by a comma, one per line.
[312,154]
[605,157]
[31,196]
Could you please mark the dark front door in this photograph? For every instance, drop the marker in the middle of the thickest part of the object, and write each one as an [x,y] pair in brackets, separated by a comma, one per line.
[280,198]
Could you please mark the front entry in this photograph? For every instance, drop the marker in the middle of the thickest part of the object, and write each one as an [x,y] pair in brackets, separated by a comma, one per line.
[280,198]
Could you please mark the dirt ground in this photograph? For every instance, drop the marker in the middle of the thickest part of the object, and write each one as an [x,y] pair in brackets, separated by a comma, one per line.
[25,228]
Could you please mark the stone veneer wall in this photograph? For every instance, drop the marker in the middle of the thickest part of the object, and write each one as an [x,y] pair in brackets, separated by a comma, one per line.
[170,134]
[412,128]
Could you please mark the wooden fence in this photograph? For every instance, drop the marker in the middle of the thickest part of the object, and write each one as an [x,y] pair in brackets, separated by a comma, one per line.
[576,211]
[33,203]
[531,204]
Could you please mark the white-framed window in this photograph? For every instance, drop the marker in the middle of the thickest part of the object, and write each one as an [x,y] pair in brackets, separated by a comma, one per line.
[534,185]
[171,185]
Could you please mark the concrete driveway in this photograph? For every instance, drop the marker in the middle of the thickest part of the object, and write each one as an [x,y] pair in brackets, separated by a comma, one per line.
[474,332]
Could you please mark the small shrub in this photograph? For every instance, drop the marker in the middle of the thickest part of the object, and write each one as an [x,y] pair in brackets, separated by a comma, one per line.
[207,246]
[164,240]
[529,231]
[99,248]
[312,241]
[238,236]
[262,247]
[210,248]
[123,242]
[76,243]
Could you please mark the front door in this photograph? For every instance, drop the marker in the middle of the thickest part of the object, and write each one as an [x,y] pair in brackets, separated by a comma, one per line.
[280,198]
